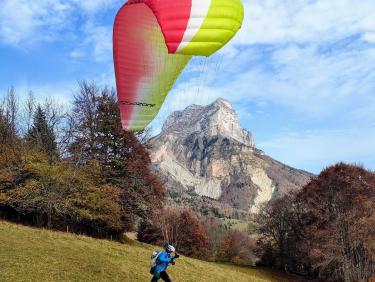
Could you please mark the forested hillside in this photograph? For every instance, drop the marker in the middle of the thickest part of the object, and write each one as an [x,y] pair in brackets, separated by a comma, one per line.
[74,168]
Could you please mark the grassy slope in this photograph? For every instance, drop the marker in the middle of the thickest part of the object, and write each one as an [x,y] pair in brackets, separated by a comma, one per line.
[236,224]
[28,254]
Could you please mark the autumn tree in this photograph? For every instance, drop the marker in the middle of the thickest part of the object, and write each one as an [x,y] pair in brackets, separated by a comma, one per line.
[278,223]
[8,117]
[150,233]
[216,231]
[10,142]
[237,247]
[326,229]
[53,196]
[179,228]
[338,222]
[82,123]
[194,240]
[97,136]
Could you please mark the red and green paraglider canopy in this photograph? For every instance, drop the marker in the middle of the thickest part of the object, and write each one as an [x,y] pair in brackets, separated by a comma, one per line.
[153,42]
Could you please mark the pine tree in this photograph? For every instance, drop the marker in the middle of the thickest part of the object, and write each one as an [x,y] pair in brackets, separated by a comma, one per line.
[41,136]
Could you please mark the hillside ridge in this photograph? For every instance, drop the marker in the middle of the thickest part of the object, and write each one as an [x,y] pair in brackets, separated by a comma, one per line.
[30,254]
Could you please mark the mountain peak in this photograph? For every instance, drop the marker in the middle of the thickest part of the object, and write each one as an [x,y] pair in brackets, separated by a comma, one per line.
[221,102]
[218,118]
[209,162]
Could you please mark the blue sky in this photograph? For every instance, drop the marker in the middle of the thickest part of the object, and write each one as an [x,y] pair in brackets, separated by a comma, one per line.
[301,73]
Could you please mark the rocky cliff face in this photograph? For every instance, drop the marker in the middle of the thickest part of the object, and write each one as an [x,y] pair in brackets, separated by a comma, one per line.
[217,119]
[208,161]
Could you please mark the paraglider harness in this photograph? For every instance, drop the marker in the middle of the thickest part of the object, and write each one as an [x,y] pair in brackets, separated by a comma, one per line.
[154,258]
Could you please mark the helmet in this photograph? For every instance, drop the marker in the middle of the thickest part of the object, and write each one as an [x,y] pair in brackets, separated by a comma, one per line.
[170,249]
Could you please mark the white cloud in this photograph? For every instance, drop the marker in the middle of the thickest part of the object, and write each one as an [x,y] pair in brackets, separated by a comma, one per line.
[25,21]
[100,39]
[304,80]
[304,21]
[369,37]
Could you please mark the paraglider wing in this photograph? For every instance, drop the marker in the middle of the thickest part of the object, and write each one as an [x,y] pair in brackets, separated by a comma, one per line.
[153,42]
[145,72]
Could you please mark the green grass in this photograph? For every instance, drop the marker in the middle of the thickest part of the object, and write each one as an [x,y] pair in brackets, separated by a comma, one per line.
[241,225]
[28,254]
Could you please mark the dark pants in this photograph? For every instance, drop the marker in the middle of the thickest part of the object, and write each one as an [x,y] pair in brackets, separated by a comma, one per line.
[164,276]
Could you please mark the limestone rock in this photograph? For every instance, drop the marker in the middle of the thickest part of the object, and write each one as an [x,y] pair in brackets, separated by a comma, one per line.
[209,162]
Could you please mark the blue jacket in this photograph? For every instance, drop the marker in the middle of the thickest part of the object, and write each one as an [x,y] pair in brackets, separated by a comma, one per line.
[162,261]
